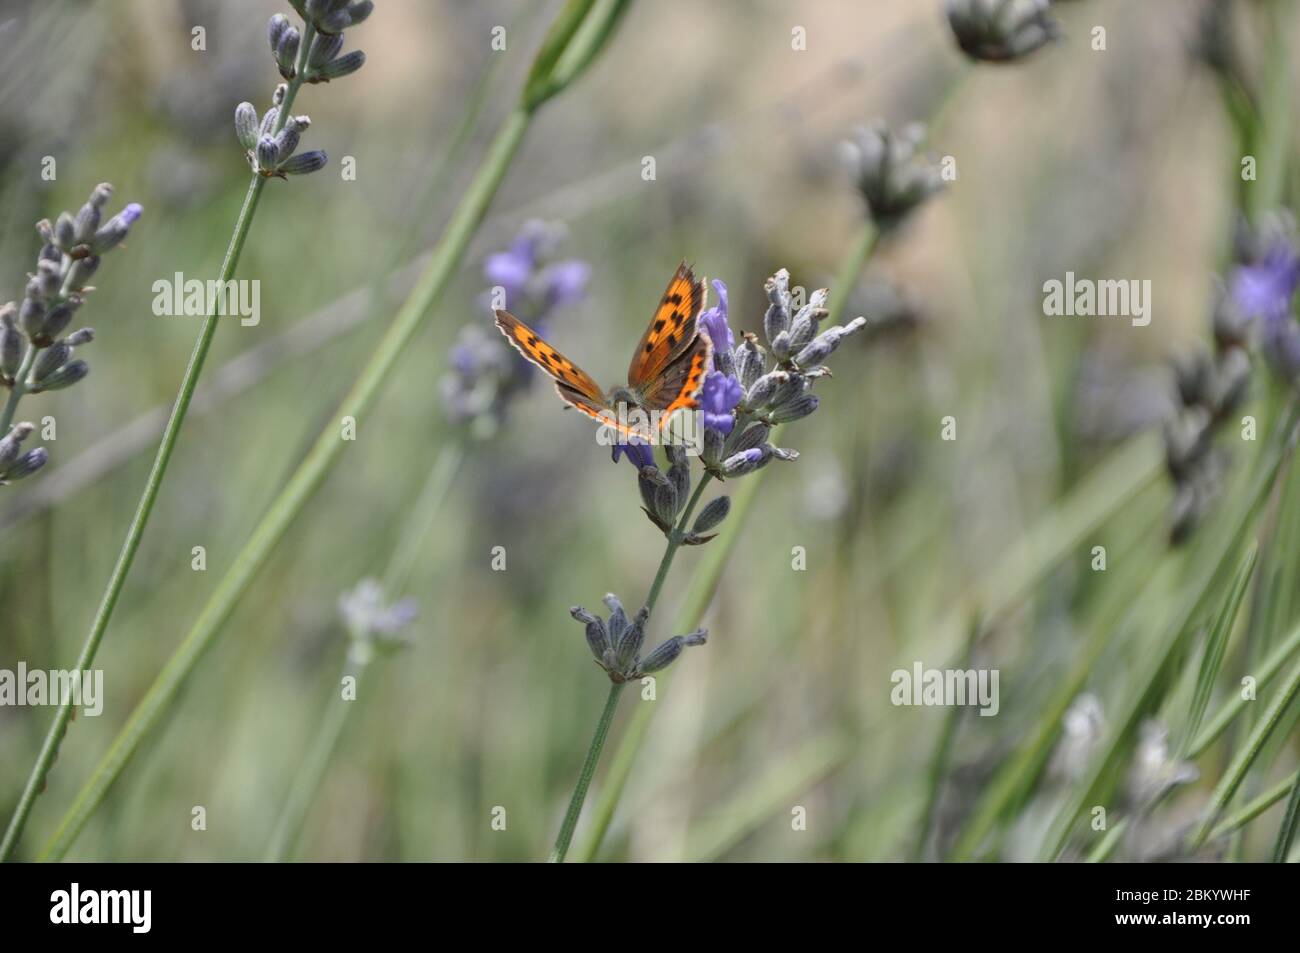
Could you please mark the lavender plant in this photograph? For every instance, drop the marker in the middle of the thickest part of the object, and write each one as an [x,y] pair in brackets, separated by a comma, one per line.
[1001,31]
[750,390]
[310,55]
[35,353]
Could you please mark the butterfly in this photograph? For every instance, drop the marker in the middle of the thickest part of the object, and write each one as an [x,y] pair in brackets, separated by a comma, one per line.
[667,370]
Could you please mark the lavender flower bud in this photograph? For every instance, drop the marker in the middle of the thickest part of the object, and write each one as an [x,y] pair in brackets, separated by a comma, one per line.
[617,617]
[359,11]
[286,52]
[275,30]
[65,231]
[747,461]
[56,319]
[246,125]
[335,22]
[713,446]
[665,503]
[1000,31]
[67,375]
[825,343]
[750,363]
[117,228]
[336,69]
[629,644]
[26,465]
[78,338]
[666,653]
[285,143]
[754,436]
[304,163]
[50,360]
[597,634]
[86,222]
[267,127]
[31,317]
[11,444]
[268,154]
[891,173]
[50,252]
[760,394]
[712,515]
[81,271]
[324,49]
[10,351]
[795,409]
[781,346]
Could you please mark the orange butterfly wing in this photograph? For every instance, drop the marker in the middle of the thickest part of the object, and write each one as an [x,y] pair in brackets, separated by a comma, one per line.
[679,386]
[672,329]
[567,374]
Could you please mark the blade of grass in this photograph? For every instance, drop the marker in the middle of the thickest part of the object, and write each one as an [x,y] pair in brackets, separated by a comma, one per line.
[1245,758]
[1290,820]
[1215,644]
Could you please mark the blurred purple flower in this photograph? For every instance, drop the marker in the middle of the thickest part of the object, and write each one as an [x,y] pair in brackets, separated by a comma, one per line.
[565,282]
[715,321]
[1264,288]
[638,454]
[718,400]
[511,269]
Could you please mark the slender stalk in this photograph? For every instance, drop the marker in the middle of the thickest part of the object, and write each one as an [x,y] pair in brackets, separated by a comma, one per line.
[602,727]
[585,775]
[302,484]
[307,779]
[50,747]
[850,269]
[18,390]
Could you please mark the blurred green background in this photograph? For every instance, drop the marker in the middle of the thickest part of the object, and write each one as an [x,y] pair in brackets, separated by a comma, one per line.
[1117,163]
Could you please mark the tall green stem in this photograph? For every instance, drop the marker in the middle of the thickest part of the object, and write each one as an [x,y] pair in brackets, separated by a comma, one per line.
[675,538]
[585,775]
[50,748]
[18,389]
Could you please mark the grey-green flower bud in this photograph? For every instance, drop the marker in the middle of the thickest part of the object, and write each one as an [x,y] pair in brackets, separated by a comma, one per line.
[629,644]
[286,52]
[285,144]
[50,360]
[795,409]
[31,317]
[713,447]
[304,163]
[81,271]
[750,362]
[83,336]
[665,503]
[86,222]
[26,465]
[246,125]
[268,154]
[754,436]
[747,461]
[1000,31]
[56,319]
[617,617]
[825,343]
[359,11]
[11,443]
[267,126]
[338,68]
[67,375]
[666,652]
[65,231]
[275,30]
[323,49]
[596,633]
[760,394]
[712,515]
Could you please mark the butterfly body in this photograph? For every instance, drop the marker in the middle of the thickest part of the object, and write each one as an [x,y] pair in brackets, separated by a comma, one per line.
[666,373]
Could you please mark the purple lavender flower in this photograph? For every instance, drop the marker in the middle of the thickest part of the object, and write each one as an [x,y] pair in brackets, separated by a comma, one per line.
[715,321]
[519,271]
[638,454]
[511,269]
[565,282]
[718,401]
[1264,288]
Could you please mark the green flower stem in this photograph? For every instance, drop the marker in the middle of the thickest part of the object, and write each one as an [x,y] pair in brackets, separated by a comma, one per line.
[50,748]
[704,581]
[850,269]
[585,775]
[602,727]
[674,542]
[18,390]
[307,779]
[302,484]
